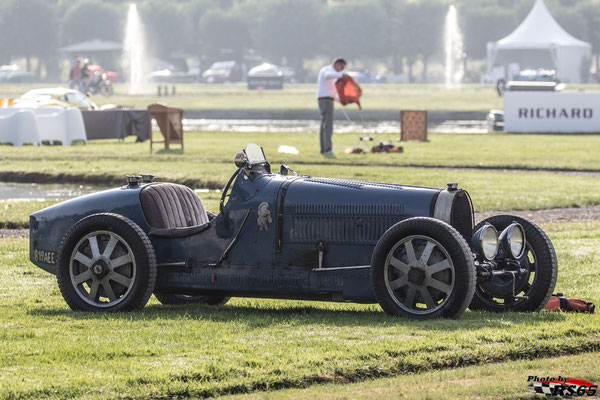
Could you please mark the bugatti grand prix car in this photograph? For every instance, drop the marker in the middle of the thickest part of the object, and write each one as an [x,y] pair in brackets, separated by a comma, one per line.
[413,250]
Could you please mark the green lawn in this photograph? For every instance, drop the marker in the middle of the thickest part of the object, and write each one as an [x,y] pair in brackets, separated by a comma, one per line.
[48,351]
[296,97]
[507,380]
[490,190]
[499,150]
[250,345]
[469,97]
[207,163]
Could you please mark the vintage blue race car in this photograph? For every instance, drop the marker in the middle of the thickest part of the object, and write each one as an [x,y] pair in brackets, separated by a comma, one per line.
[414,250]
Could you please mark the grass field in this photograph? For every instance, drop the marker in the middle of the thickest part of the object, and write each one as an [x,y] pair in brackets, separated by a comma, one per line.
[207,163]
[507,380]
[469,97]
[287,349]
[48,351]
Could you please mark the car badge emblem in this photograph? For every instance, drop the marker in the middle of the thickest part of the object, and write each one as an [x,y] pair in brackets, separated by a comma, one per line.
[264,216]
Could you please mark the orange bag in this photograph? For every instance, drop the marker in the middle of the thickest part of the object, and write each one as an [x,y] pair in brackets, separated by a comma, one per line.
[348,91]
[560,303]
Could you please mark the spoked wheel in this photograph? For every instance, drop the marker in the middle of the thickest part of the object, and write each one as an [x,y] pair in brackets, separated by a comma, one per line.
[106,90]
[531,291]
[422,268]
[177,299]
[106,263]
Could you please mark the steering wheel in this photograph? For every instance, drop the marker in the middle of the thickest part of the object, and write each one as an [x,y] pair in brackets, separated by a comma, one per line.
[226,189]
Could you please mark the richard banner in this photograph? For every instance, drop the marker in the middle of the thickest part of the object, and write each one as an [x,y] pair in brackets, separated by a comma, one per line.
[551,112]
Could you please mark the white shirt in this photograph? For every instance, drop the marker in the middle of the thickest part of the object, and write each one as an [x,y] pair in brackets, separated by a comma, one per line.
[326,82]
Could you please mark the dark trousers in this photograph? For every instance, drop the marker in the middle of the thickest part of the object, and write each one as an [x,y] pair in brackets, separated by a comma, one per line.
[326,109]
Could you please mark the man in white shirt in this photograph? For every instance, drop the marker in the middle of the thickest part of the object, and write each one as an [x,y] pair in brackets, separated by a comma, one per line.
[326,93]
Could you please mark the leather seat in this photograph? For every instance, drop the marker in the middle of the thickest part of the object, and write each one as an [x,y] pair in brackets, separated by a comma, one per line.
[173,210]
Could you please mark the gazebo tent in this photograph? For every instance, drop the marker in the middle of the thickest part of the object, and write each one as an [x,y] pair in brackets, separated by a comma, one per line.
[540,42]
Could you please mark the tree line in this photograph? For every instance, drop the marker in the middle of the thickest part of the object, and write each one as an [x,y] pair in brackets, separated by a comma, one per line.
[397,33]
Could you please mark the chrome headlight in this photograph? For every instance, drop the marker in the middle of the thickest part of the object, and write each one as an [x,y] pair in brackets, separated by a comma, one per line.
[513,240]
[485,242]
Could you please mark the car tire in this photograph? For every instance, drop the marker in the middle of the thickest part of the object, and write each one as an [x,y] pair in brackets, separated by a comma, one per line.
[422,268]
[178,299]
[106,263]
[500,86]
[538,285]
[106,90]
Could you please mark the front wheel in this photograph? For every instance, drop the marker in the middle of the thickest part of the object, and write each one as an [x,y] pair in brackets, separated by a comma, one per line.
[106,263]
[530,292]
[106,89]
[422,268]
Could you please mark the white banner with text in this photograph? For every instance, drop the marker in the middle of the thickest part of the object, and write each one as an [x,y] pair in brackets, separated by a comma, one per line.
[551,112]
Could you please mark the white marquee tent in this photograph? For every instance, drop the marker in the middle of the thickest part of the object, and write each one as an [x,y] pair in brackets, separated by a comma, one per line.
[540,42]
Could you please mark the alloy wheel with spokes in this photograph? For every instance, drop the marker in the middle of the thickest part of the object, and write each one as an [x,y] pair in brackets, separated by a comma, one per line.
[106,263]
[419,274]
[422,268]
[102,268]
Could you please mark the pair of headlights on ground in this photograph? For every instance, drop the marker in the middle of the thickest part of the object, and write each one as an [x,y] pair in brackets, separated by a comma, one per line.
[487,242]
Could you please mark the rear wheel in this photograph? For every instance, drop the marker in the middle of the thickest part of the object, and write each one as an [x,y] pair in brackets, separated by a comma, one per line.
[106,263]
[176,299]
[106,89]
[532,290]
[422,268]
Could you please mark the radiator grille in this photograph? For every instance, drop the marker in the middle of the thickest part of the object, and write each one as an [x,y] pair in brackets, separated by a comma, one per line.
[342,223]
[351,183]
[462,215]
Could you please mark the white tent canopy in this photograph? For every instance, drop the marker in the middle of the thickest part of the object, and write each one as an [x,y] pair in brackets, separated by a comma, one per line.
[540,42]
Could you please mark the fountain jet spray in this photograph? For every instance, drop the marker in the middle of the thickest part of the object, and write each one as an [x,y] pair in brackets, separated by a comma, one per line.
[134,60]
[454,49]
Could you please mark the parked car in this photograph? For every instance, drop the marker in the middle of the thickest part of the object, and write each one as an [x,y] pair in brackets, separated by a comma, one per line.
[531,80]
[223,71]
[175,76]
[413,250]
[12,74]
[364,76]
[60,97]
[266,75]
[289,74]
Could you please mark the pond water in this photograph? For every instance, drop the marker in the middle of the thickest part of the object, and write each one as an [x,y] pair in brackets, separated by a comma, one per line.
[312,126]
[10,191]
[40,192]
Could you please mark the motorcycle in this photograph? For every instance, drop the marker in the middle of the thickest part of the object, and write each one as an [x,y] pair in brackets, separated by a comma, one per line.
[99,83]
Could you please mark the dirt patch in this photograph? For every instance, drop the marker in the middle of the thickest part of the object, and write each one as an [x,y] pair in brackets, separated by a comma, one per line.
[14,233]
[551,215]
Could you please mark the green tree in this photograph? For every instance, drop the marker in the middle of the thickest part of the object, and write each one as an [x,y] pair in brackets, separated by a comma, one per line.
[91,19]
[224,30]
[589,17]
[194,10]
[290,30]
[28,29]
[168,28]
[484,22]
[354,30]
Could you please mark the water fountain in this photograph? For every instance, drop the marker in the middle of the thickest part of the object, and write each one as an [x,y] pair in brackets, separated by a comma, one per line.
[454,49]
[134,51]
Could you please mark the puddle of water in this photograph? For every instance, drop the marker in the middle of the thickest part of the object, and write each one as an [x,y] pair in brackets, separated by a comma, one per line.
[10,191]
[312,126]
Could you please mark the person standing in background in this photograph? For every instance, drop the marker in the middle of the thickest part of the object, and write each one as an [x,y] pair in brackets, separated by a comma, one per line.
[326,93]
